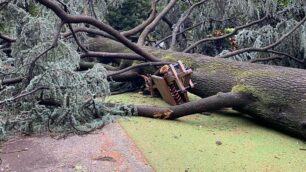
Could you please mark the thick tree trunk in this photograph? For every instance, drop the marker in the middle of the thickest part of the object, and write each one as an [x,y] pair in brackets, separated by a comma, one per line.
[278,93]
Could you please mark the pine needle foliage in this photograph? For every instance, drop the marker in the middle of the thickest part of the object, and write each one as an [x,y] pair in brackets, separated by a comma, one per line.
[56,97]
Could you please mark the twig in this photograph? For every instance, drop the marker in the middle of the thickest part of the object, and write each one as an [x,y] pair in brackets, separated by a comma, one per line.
[54,44]
[92,8]
[76,38]
[22,95]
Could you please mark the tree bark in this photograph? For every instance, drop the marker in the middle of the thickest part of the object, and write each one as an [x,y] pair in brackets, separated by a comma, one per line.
[212,103]
[278,93]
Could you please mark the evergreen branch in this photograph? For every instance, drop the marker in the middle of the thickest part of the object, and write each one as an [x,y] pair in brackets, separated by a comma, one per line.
[268,47]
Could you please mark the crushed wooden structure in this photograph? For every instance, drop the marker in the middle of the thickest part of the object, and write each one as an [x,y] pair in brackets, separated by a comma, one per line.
[172,82]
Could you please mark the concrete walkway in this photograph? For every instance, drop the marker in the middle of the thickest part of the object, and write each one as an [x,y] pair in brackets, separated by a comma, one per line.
[106,150]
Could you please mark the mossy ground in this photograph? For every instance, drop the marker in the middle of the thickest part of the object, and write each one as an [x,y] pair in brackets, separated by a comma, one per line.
[189,144]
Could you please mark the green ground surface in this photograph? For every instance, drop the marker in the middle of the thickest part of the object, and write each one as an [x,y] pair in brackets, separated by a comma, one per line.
[189,144]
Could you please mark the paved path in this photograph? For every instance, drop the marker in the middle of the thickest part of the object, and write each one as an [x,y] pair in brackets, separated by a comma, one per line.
[106,150]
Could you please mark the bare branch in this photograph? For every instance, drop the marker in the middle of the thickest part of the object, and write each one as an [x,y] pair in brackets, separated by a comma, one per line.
[23,95]
[190,28]
[266,59]
[138,66]
[11,81]
[88,30]
[7,38]
[282,55]
[124,33]
[150,27]
[145,23]
[180,21]
[91,6]
[224,36]
[216,102]
[127,56]
[76,38]
[67,18]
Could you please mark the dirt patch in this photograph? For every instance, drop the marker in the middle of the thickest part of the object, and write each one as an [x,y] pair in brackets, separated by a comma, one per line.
[108,149]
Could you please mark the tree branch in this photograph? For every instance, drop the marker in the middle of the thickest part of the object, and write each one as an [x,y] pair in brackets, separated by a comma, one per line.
[153,24]
[224,36]
[124,33]
[145,23]
[266,48]
[187,29]
[127,56]
[7,38]
[180,21]
[277,57]
[54,44]
[216,102]
[67,18]
[138,66]
[88,30]
[22,95]
[76,38]
[11,81]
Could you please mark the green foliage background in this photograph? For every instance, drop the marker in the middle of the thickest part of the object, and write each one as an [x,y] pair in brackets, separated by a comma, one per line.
[129,14]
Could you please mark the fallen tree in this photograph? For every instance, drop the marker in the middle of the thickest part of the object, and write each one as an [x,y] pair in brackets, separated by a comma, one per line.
[273,94]
[65,86]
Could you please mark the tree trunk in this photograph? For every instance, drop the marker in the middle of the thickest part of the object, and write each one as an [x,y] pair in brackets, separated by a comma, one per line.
[278,93]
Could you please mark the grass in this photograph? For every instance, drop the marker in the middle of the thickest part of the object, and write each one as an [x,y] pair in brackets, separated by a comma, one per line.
[190,143]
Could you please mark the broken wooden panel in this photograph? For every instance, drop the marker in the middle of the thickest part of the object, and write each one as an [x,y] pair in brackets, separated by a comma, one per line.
[173,82]
[163,89]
